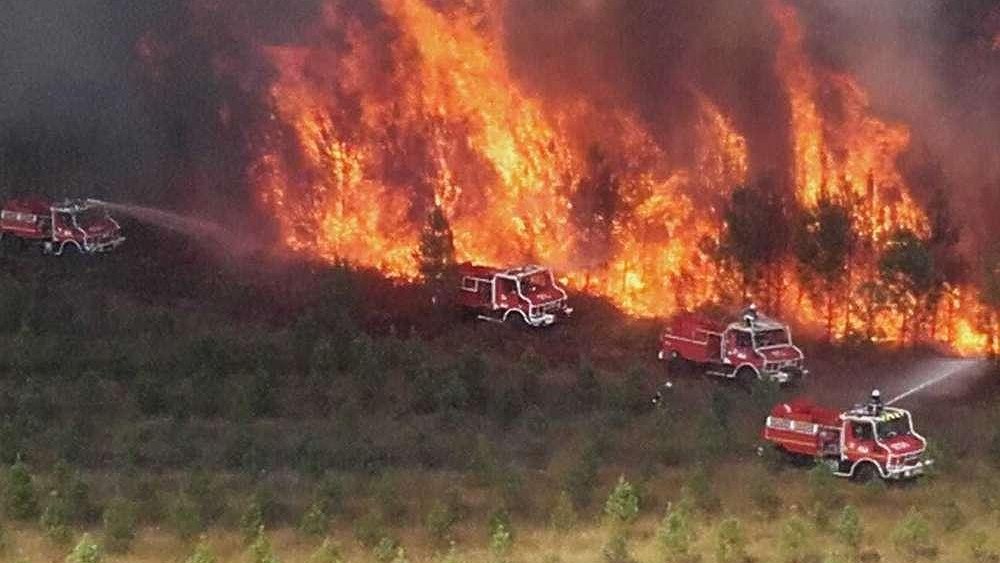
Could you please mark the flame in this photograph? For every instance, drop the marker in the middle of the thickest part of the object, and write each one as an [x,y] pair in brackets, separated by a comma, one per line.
[375,128]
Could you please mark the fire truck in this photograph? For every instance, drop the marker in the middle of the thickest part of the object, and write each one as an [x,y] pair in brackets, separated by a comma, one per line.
[81,226]
[528,295]
[862,443]
[755,347]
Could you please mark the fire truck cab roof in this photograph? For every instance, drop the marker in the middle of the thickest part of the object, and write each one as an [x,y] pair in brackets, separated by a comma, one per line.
[486,272]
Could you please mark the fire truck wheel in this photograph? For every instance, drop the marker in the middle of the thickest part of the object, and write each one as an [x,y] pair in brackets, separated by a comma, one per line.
[516,321]
[864,472]
[746,376]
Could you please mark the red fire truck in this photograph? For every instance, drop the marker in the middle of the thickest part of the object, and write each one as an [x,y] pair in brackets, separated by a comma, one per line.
[81,226]
[528,295]
[867,441]
[755,347]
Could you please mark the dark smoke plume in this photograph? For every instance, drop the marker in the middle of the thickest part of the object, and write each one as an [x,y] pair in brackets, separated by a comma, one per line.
[161,102]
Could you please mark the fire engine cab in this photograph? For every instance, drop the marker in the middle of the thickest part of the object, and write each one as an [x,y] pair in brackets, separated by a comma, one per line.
[754,347]
[864,442]
[528,294]
[81,226]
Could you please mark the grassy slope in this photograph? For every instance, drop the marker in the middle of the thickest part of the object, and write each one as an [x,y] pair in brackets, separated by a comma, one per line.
[133,295]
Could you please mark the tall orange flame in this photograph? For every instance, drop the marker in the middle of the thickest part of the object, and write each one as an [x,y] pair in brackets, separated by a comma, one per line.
[514,174]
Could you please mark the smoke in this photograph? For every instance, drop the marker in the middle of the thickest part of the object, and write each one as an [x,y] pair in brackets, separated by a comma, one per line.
[163,102]
[930,65]
[654,57]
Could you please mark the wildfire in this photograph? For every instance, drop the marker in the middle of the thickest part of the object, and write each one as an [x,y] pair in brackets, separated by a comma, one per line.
[390,120]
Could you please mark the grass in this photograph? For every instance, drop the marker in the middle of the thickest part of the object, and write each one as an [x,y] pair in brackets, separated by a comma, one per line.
[880,512]
[267,393]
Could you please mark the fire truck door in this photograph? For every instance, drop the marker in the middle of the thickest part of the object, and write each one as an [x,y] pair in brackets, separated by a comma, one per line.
[859,438]
[714,347]
[506,292]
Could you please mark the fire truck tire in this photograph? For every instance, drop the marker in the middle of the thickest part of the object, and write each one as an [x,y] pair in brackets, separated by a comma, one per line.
[746,376]
[864,472]
[516,320]
[69,249]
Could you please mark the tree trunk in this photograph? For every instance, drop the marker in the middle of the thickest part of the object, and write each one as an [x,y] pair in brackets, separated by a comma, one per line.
[829,311]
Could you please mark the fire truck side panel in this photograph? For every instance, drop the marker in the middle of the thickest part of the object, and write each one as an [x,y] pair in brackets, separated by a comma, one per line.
[693,338]
[793,436]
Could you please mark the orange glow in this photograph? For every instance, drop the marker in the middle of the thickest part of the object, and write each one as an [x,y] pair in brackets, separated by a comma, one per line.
[513,173]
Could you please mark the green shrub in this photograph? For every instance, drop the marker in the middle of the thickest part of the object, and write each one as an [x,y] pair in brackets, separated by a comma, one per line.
[452,556]
[202,489]
[847,527]
[315,521]
[260,549]
[699,489]
[387,496]
[712,437]
[370,528]
[824,496]
[251,520]
[796,541]
[484,464]
[580,480]
[86,551]
[331,492]
[564,516]
[202,553]
[20,499]
[55,520]
[327,552]
[74,492]
[386,549]
[184,518]
[616,550]
[501,541]
[675,534]
[730,543]
[912,536]
[120,525]
[439,521]
[622,505]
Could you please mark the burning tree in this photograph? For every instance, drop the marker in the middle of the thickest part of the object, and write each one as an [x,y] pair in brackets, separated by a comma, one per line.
[991,295]
[755,237]
[437,252]
[907,267]
[824,241]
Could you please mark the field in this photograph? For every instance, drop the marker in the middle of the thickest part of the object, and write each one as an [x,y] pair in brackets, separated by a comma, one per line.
[163,397]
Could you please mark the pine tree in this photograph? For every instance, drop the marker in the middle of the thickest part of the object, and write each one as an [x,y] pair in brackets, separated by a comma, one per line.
[437,253]
[824,240]
[756,236]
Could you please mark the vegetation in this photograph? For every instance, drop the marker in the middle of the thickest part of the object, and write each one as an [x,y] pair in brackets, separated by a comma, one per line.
[193,427]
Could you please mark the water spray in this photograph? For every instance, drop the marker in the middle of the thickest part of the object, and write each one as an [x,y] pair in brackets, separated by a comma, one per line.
[957,367]
[193,227]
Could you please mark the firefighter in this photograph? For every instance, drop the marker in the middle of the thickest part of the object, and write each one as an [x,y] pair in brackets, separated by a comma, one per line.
[658,397]
[875,403]
[750,314]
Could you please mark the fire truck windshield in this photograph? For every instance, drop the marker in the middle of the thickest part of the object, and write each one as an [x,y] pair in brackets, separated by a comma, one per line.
[892,428]
[536,281]
[772,337]
[90,217]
